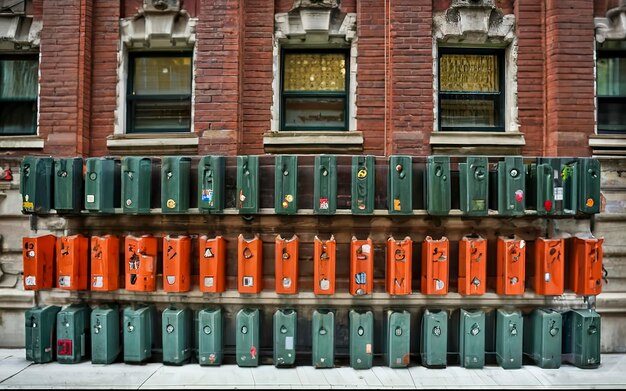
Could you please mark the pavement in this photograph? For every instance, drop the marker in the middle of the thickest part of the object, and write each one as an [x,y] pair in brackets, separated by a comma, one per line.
[16,372]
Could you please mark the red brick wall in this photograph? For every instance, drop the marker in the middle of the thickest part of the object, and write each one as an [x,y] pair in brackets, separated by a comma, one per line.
[285,5]
[601,6]
[131,7]
[505,5]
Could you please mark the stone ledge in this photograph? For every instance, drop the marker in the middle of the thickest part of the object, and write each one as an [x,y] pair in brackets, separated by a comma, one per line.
[608,145]
[313,142]
[12,298]
[484,143]
[153,143]
[21,142]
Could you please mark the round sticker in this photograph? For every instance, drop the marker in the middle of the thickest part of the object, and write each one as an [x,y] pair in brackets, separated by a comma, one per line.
[362,173]
[589,202]
[171,203]
[289,198]
[519,195]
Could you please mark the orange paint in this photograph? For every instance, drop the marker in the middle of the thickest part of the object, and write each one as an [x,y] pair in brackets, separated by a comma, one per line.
[176,264]
[472,265]
[324,264]
[250,265]
[140,259]
[399,262]
[435,264]
[105,263]
[212,253]
[549,266]
[286,258]
[361,267]
[72,262]
[510,266]
[586,266]
[39,255]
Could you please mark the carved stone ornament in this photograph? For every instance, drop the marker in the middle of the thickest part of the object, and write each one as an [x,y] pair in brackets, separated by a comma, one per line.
[613,27]
[315,4]
[474,21]
[19,32]
[159,24]
[315,21]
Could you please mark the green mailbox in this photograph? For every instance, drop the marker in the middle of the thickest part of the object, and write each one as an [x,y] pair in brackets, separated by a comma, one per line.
[247,337]
[564,176]
[511,186]
[474,186]
[175,171]
[211,184]
[400,185]
[363,180]
[361,339]
[472,338]
[105,334]
[570,179]
[138,327]
[285,325]
[509,335]
[437,178]
[177,335]
[73,334]
[247,197]
[434,339]
[286,184]
[210,337]
[136,184]
[101,185]
[397,339]
[325,185]
[543,337]
[540,188]
[36,184]
[589,185]
[581,338]
[40,333]
[68,185]
[323,334]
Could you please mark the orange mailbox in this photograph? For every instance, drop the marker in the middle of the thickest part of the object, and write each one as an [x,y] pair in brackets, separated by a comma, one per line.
[472,265]
[105,263]
[212,254]
[361,267]
[324,261]
[586,267]
[287,265]
[38,254]
[549,269]
[72,261]
[510,266]
[399,262]
[141,263]
[176,263]
[250,264]
[435,266]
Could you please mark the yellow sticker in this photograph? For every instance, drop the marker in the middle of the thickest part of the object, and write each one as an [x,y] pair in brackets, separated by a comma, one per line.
[171,203]
[396,205]
[589,202]
[285,204]
[27,205]
[361,174]
[289,198]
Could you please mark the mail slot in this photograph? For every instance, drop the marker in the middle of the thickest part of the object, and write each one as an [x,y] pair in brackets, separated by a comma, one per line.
[434,339]
[139,333]
[102,184]
[509,334]
[36,184]
[105,334]
[72,262]
[247,184]
[543,337]
[211,184]
[68,185]
[511,186]
[176,263]
[510,265]
[212,254]
[361,339]
[73,334]
[589,185]
[140,257]
[177,335]
[286,185]
[400,185]
[325,185]
[105,263]
[136,184]
[40,333]
[361,267]
[250,264]
[581,338]
[210,336]
[324,263]
[586,266]
[472,265]
[323,331]
[38,255]
[474,185]
[549,266]
[247,337]
[472,338]
[399,263]
[175,171]
[286,258]
[285,329]
[363,180]
[397,339]
[435,264]
[438,194]
[540,188]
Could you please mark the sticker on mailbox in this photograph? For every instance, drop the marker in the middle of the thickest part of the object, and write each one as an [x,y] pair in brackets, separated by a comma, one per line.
[324,203]
[64,347]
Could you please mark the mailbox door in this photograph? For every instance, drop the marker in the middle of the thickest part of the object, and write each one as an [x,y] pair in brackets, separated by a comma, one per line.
[68,185]
[175,171]
[247,184]
[438,194]
[549,266]
[398,339]
[589,182]
[285,325]
[361,339]
[176,264]
[247,338]
[138,328]
[105,335]
[435,263]
[38,255]
[323,339]
[176,334]
[140,258]
[510,270]
[40,333]
[324,263]
[474,186]
[586,268]
[325,185]
[472,265]
[286,265]
[361,267]
[543,338]
[249,265]
[400,185]
[399,262]
[363,180]
[434,338]
[286,185]
[511,186]
[72,262]
[73,334]
[210,337]
[105,263]
[472,339]
[570,178]
[36,184]
[581,338]
[99,191]
[509,334]
[541,183]
[212,254]
[211,184]
[136,184]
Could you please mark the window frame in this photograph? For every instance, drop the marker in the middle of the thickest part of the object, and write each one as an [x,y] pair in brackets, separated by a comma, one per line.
[609,53]
[35,101]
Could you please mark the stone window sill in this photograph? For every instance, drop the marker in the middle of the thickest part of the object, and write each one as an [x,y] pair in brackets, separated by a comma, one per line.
[153,144]
[608,145]
[477,143]
[313,142]
[21,142]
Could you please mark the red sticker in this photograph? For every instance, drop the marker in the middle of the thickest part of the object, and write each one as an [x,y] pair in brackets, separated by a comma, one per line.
[519,195]
[64,347]
[253,352]
[548,205]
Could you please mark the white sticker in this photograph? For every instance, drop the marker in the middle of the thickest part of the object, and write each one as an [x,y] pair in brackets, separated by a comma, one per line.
[547,277]
[439,285]
[288,343]
[208,281]
[522,243]
[30,281]
[286,282]
[324,284]
[91,198]
[558,194]
[368,348]
[98,282]
[208,253]
[171,279]
[31,254]
[365,248]
[248,281]
[64,281]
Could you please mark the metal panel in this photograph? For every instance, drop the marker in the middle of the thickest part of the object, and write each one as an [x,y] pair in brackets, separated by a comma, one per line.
[247,184]
[434,338]
[175,171]
[136,184]
[323,339]
[138,328]
[511,186]
[543,337]
[210,337]
[363,180]
[509,334]
[286,185]
[73,334]
[438,194]
[101,183]
[474,186]
[285,337]
[36,184]
[589,185]
[400,185]
[68,185]
[472,338]
[40,333]
[247,337]
[581,338]
[177,335]
[325,185]
[397,339]
[105,334]
[211,184]
[361,339]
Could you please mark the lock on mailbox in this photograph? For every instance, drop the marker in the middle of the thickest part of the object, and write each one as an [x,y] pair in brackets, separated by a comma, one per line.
[176,264]
[102,184]
[285,328]
[543,338]
[212,254]
[210,336]
[586,266]
[250,264]
[286,258]
[581,338]
[68,185]
[72,262]
[361,267]
[511,186]
[399,263]
[325,185]
[324,263]
[247,184]
[474,186]
[363,180]
[247,337]
[138,329]
[472,339]
[361,339]
[509,334]
[323,339]
[177,341]
[40,333]
[435,263]
[105,263]
[589,191]
[105,334]
[549,266]
[211,184]
[38,255]
[472,265]
[73,334]
[400,185]
[140,258]
[36,184]
[438,195]
[510,266]
[434,339]
[286,185]
[397,339]
[136,184]
[175,184]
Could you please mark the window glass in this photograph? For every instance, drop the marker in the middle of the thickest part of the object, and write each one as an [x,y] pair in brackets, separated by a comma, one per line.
[315,72]
[162,76]
[18,96]
[611,87]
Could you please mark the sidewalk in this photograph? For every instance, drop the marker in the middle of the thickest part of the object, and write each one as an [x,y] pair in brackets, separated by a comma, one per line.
[16,372]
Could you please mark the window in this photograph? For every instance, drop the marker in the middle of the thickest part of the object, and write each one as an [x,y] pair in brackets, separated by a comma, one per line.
[18,95]
[159,92]
[314,93]
[611,87]
[471,89]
